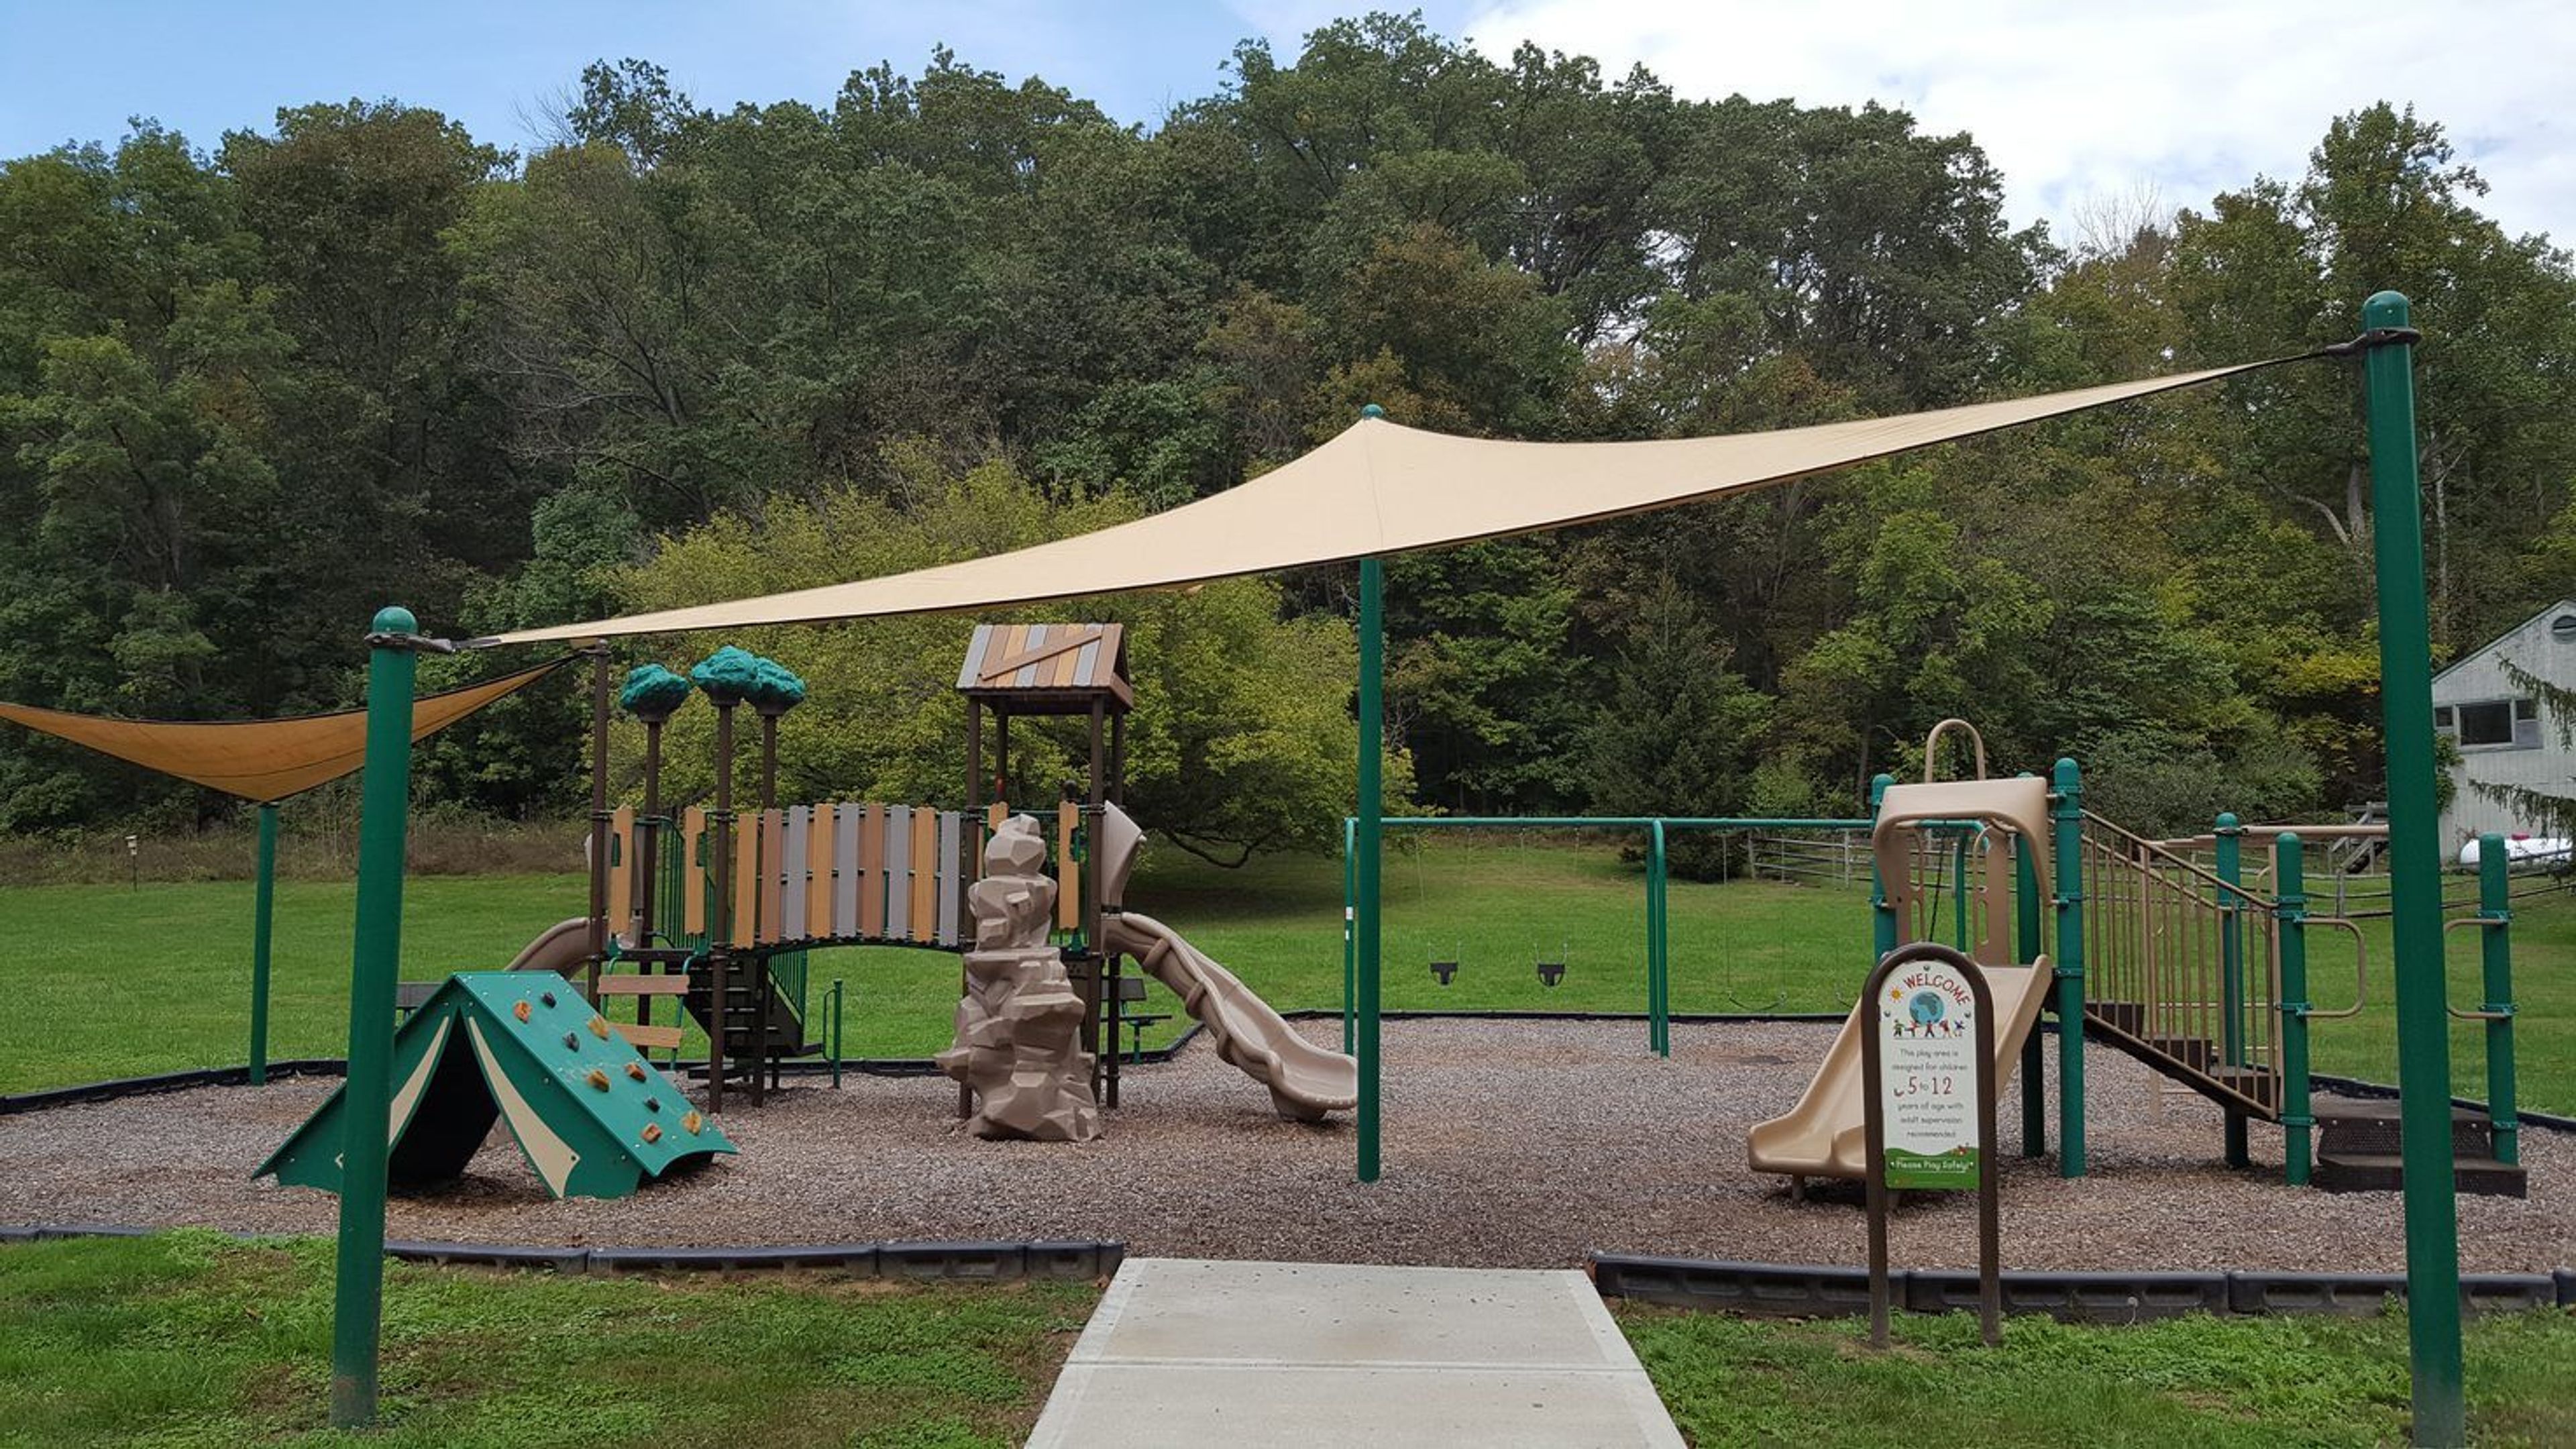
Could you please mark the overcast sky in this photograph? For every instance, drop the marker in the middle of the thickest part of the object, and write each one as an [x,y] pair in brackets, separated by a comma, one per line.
[2073,99]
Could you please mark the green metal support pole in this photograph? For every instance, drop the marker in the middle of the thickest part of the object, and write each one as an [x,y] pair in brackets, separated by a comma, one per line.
[2230,851]
[836,1033]
[2415,880]
[2290,909]
[2495,955]
[1364,857]
[1882,911]
[2066,823]
[263,914]
[385,803]
[1350,949]
[1659,1031]
[2034,1054]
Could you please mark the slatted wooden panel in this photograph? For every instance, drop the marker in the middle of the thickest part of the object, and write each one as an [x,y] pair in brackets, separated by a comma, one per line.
[1068,878]
[791,884]
[693,871]
[845,848]
[818,889]
[622,985]
[872,899]
[952,866]
[923,918]
[746,877]
[898,868]
[621,871]
[650,1038]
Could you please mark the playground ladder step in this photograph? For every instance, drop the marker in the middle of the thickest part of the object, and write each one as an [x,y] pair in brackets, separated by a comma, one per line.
[658,955]
[2386,1172]
[2192,1051]
[2188,1060]
[2369,1126]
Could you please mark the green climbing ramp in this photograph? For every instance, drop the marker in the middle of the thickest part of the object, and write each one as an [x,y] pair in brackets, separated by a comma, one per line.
[590,1114]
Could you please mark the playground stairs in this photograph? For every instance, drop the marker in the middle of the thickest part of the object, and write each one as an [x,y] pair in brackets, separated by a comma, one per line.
[2184,1057]
[756,1021]
[2357,1150]
[2358,1138]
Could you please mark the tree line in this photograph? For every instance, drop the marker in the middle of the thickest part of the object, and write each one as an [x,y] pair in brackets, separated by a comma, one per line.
[250,391]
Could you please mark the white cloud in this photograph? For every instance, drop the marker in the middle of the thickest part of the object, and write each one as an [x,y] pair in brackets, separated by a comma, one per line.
[2078,99]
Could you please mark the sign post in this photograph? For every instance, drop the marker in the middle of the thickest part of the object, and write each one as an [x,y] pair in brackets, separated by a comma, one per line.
[1928,1097]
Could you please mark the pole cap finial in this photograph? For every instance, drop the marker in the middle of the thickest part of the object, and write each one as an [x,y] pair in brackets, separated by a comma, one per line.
[2384,309]
[1372,410]
[395,619]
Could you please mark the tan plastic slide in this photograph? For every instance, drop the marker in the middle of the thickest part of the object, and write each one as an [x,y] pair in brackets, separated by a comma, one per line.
[557,948]
[1305,1080]
[1824,1136]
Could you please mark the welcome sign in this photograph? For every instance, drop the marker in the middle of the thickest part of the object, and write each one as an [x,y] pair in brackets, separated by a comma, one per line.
[1927,1077]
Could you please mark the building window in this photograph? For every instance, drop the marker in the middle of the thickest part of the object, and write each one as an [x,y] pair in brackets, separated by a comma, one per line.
[2491,724]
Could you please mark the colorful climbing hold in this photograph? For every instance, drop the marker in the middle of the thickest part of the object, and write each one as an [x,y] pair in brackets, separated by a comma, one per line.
[693,1122]
[520,1011]
[599,1027]
[652,1131]
[548,998]
[652,1104]
[572,1039]
[635,1070]
[599,1079]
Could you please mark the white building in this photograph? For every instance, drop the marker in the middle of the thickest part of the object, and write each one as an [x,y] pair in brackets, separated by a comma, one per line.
[2498,726]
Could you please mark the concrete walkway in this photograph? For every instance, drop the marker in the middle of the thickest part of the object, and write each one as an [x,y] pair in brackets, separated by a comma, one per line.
[1190,1352]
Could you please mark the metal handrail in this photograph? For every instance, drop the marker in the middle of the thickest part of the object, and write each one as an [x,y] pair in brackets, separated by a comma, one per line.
[2360,968]
[2481,923]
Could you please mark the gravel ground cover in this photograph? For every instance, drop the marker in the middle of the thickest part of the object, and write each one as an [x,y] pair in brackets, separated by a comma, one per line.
[1506,1144]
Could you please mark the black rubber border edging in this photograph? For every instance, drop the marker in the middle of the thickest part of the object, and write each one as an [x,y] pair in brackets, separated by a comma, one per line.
[913,1261]
[1797,1290]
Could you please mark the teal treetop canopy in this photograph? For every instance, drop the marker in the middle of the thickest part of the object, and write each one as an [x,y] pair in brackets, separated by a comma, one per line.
[653,693]
[729,676]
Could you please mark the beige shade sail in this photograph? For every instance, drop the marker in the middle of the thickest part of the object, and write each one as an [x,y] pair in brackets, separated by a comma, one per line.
[1376,489]
[266,759]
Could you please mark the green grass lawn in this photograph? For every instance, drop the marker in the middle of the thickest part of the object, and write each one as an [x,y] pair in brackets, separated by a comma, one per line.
[2196,1381]
[189,1339]
[110,981]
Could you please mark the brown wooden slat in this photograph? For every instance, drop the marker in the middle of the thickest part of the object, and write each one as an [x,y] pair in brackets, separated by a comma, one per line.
[621,872]
[923,924]
[617,985]
[818,858]
[773,867]
[1068,883]
[693,871]
[650,1038]
[872,872]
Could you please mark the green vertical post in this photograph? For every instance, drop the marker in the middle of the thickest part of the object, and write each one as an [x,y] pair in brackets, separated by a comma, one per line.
[2230,843]
[2027,948]
[2495,955]
[1882,911]
[2415,880]
[1350,946]
[384,805]
[1959,891]
[2290,909]
[1368,837]
[1659,1036]
[263,915]
[2066,823]
[836,1033]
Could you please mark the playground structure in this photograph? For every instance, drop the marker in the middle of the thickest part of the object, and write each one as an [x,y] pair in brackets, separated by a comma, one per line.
[591,1116]
[2167,951]
[704,907]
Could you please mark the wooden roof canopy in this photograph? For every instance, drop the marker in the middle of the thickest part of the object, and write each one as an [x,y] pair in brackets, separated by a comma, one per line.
[1048,668]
